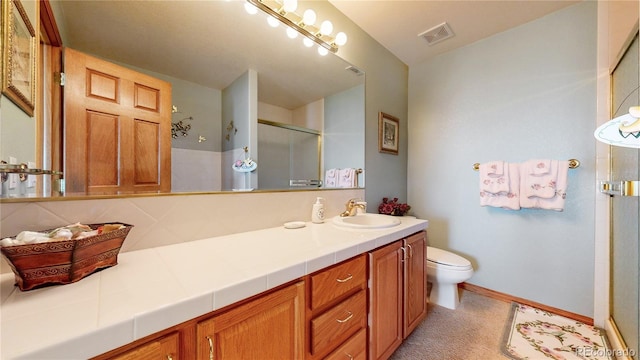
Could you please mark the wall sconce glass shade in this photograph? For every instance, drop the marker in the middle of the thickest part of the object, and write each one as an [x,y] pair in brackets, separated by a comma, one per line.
[250,9]
[302,24]
[273,22]
[291,33]
[341,38]
[290,5]
[621,131]
[307,42]
[326,28]
[309,17]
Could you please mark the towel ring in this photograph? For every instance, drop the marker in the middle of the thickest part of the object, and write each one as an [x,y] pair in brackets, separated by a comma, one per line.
[573,163]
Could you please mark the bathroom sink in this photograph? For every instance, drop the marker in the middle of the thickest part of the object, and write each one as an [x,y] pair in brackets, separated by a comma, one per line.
[366,221]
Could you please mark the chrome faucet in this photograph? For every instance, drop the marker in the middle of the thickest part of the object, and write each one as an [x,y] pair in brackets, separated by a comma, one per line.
[352,205]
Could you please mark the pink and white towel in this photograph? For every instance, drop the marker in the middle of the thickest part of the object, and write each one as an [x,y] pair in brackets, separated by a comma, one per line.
[539,178]
[494,177]
[331,178]
[543,184]
[347,178]
[509,196]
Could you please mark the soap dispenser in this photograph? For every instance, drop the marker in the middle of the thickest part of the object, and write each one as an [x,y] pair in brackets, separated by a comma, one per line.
[317,212]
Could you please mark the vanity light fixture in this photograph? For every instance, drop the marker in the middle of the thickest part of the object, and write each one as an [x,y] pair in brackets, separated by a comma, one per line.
[284,11]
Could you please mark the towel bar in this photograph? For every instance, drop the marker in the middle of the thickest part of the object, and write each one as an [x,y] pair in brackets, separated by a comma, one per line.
[573,163]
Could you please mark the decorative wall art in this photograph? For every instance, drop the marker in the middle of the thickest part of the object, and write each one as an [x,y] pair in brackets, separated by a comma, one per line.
[18,56]
[388,133]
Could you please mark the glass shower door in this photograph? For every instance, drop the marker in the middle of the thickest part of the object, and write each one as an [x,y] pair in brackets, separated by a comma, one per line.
[625,210]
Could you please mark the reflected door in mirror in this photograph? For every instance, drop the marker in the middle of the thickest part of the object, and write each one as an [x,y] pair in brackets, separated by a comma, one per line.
[116,128]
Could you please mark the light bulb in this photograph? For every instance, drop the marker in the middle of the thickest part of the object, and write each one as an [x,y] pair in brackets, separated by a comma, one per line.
[309,17]
[273,22]
[290,5]
[291,33]
[250,8]
[322,51]
[341,38]
[326,27]
[307,42]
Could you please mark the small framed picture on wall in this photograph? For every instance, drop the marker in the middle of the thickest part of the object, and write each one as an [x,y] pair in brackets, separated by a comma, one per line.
[388,133]
[18,56]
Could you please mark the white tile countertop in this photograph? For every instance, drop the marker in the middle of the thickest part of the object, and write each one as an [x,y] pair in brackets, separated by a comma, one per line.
[153,289]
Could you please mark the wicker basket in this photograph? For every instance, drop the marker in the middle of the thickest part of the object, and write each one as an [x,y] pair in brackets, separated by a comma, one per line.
[64,262]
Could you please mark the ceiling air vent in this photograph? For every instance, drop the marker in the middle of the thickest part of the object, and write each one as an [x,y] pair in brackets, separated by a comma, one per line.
[354,70]
[437,34]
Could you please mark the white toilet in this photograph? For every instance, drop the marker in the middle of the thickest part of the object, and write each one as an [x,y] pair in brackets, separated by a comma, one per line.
[445,270]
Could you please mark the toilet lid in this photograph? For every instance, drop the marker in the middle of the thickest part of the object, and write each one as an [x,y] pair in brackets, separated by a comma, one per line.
[444,257]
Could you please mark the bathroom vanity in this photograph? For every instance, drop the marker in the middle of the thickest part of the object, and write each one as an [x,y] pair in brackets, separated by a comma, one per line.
[213,297]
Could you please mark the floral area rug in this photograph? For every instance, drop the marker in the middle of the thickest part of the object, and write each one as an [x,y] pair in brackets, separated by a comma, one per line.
[534,334]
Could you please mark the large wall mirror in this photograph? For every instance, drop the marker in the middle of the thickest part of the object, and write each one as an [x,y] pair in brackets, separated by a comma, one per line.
[211,51]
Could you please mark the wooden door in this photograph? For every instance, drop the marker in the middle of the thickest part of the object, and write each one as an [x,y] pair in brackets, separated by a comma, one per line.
[270,327]
[415,289]
[117,128]
[385,294]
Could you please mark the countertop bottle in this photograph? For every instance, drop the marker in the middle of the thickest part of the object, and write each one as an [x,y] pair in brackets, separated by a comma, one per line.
[317,212]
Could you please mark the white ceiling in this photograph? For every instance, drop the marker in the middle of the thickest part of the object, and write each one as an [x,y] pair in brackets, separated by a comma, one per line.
[396,24]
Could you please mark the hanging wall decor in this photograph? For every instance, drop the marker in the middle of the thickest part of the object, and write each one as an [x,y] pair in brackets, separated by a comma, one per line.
[388,133]
[18,56]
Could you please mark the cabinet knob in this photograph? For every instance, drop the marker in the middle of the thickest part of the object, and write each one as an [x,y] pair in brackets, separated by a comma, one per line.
[349,356]
[349,277]
[169,357]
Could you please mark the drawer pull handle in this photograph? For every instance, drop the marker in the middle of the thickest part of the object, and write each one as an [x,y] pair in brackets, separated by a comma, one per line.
[349,356]
[210,347]
[345,319]
[349,277]
[169,357]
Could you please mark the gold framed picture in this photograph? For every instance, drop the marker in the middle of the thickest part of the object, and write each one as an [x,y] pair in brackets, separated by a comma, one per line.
[18,56]
[388,133]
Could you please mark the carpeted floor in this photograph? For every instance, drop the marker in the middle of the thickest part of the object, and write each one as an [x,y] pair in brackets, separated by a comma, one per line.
[471,332]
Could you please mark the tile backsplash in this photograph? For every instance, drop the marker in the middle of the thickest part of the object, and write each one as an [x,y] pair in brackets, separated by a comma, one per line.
[171,219]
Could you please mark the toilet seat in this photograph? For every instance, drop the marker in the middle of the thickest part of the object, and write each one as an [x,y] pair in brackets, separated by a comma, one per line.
[447,259]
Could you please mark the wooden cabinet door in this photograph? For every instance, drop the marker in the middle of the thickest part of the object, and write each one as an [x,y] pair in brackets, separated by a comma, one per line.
[415,289]
[386,272]
[269,327]
[117,128]
[165,348]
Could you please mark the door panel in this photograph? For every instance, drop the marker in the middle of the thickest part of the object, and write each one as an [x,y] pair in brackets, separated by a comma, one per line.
[117,128]
[146,98]
[102,148]
[147,165]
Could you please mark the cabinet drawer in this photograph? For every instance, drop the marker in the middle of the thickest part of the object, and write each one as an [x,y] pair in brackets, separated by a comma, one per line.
[339,323]
[337,281]
[354,349]
[166,347]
